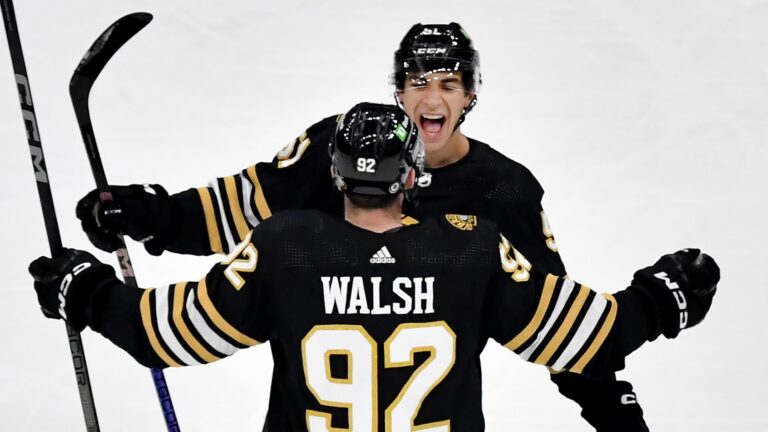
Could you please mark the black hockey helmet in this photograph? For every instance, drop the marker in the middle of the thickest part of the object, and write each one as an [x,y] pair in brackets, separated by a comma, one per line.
[431,48]
[373,149]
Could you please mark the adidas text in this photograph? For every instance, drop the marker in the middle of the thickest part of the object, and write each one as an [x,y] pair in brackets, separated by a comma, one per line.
[382,256]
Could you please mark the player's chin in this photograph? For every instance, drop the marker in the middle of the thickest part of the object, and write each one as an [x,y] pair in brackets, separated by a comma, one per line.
[433,144]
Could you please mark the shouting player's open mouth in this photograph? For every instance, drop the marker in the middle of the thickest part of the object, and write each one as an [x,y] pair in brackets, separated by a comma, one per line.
[431,125]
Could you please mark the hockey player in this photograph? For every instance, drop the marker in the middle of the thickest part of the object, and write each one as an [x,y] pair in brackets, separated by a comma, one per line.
[377,322]
[437,78]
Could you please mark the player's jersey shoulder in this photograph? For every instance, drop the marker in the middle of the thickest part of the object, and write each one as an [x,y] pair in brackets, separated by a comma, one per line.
[464,231]
[511,180]
[322,131]
[319,225]
[325,126]
[290,224]
[310,144]
[465,223]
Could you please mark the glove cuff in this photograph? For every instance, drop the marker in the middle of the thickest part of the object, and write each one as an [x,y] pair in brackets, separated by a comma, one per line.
[659,294]
[162,220]
[80,293]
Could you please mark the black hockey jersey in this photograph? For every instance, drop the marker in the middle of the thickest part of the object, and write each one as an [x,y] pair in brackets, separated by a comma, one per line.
[373,331]
[484,183]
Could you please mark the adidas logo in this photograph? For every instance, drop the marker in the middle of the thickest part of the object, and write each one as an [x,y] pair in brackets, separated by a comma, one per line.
[382,257]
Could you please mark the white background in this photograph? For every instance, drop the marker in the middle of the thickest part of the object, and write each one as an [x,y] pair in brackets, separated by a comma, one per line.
[644,120]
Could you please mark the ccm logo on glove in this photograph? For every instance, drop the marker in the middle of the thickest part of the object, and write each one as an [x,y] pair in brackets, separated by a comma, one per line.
[677,293]
[64,287]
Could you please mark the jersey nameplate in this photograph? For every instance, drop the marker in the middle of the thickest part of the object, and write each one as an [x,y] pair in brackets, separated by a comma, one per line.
[414,295]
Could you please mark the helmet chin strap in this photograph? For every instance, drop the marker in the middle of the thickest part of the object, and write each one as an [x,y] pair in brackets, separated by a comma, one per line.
[465,111]
[397,100]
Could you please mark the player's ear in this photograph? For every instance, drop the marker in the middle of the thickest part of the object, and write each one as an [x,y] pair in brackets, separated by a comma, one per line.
[410,182]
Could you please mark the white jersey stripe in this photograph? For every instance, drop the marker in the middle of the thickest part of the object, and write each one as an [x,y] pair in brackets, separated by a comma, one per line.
[164,326]
[205,330]
[588,324]
[247,202]
[223,213]
[565,291]
[386,252]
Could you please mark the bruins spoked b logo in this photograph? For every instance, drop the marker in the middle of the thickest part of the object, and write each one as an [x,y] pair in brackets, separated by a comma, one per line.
[462,222]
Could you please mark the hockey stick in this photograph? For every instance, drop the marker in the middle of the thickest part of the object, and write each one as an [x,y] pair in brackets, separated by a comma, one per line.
[97,56]
[46,202]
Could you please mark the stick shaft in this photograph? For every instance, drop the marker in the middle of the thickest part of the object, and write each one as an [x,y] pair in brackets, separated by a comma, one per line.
[46,202]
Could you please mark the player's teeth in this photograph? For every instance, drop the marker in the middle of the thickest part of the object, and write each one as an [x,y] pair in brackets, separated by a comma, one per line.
[432,116]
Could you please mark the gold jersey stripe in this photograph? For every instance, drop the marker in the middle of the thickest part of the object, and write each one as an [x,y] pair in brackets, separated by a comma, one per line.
[258,194]
[538,316]
[407,220]
[234,207]
[218,320]
[565,327]
[600,338]
[210,220]
[146,319]
[189,338]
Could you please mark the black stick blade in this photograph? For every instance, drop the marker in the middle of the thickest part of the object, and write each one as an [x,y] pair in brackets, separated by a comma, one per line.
[103,49]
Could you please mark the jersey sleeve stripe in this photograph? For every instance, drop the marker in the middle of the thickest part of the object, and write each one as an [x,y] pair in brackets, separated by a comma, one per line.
[223,216]
[250,197]
[565,328]
[162,313]
[247,187]
[600,338]
[258,194]
[146,319]
[214,340]
[210,220]
[538,316]
[218,320]
[234,207]
[575,327]
[181,326]
[588,324]
[566,288]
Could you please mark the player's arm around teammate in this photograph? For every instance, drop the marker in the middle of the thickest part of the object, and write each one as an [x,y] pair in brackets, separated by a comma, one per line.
[551,321]
[437,78]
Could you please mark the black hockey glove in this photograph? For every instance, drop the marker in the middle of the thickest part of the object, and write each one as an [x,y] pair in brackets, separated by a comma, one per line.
[139,211]
[63,283]
[680,286]
[607,404]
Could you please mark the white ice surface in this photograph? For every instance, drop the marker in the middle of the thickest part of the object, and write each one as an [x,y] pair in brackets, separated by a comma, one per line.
[646,122]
